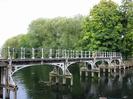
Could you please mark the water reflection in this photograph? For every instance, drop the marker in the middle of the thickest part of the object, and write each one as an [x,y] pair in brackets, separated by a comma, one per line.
[114,86]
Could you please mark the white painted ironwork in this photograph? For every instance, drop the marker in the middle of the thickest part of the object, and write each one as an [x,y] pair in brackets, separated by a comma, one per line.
[42,53]
[9,53]
[50,53]
[33,53]
[58,53]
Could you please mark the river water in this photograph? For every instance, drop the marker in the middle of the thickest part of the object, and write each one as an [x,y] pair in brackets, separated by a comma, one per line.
[31,85]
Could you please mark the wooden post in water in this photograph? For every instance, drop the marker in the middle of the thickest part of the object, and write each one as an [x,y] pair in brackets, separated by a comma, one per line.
[99,74]
[2,76]
[71,80]
[64,80]
[7,91]
[86,73]
[1,81]
[115,70]
[15,93]
[104,70]
[92,74]
[109,70]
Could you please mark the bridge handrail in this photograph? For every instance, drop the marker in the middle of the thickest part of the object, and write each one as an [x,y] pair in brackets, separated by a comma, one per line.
[33,53]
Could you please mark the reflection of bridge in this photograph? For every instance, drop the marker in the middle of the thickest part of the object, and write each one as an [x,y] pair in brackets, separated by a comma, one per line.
[14,59]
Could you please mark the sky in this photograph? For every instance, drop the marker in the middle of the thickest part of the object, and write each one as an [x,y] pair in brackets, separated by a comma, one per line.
[16,15]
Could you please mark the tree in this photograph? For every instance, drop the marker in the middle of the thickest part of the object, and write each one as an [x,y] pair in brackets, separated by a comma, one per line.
[15,42]
[60,32]
[126,10]
[102,28]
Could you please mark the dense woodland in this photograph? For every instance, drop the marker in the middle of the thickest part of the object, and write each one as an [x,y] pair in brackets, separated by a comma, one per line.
[107,27]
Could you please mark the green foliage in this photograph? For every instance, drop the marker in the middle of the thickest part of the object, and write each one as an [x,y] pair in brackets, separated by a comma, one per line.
[102,28]
[126,10]
[56,33]
[109,27]
[16,42]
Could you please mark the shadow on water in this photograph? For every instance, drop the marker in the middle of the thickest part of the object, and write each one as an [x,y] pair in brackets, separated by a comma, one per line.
[112,86]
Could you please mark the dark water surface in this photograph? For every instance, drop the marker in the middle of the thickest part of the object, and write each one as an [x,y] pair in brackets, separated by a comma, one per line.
[113,86]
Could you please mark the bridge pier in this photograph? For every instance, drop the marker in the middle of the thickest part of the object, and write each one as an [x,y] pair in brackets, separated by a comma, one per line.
[54,75]
[92,74]
[99,75]
[1,82]
[114,70]
[3,69]
[7,80]
[66,77]
[104,70]
[84,69]
[109,70]
[7,93]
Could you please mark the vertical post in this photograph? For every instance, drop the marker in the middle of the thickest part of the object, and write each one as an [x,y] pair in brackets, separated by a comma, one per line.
[24,53]
[62,53]
[109,70]
[56,51]
[92,74]
[64,80]
[65,54]
[77,54]
[0,53]
[104,70]
[80,72]
[9,54]
[21,53]
[13,54]
[99,74]
[7,91]
[50,53]
[105,54]
[33,53]
[89,54]
[86,73]
[114,70]
[71,80]
[56,79]
[73,54]
[1,82]
[113,54]
[85,54]
[15,93]
[42,54]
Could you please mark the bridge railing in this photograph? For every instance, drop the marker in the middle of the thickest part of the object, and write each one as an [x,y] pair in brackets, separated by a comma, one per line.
[37,53]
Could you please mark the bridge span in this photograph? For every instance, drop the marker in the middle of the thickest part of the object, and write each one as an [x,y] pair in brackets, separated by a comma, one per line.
[14,59]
